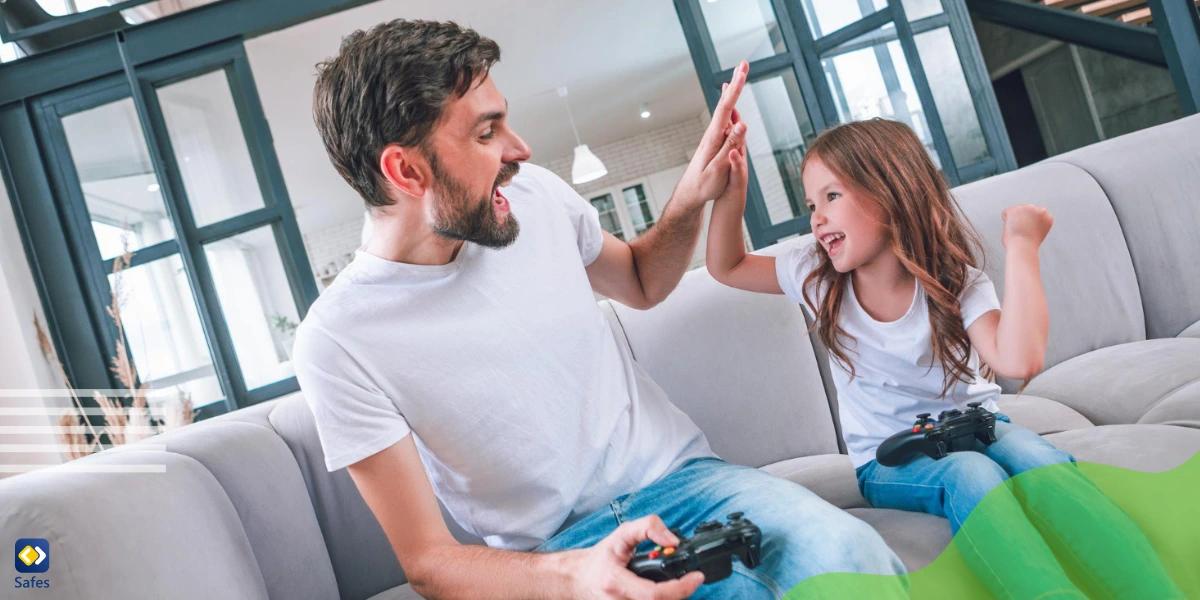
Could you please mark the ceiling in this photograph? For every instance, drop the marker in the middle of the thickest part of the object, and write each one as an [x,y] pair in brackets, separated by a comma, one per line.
[612,54]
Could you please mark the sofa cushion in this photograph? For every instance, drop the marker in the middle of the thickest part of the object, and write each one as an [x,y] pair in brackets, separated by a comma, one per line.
[740,365]
[261,478]
[1192,331]
[1151,177]
[1148,448]
[362,558]
[917,538]
[1123,383]
[1041,415]
[257,414]
[1087,273]
[169,533]
[1180,407]
[830,476]
[363,561]
[814,339]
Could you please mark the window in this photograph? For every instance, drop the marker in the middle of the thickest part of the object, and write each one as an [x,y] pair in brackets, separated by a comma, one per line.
[816,63]
[185,184]
[630,217]
[610,220]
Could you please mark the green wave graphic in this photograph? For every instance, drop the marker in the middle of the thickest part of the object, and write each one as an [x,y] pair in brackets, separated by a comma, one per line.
[1081,530]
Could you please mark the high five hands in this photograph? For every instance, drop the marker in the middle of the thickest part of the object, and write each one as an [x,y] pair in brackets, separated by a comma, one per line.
[708,173]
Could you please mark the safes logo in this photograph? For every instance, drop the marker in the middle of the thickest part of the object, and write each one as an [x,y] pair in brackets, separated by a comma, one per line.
[32,556]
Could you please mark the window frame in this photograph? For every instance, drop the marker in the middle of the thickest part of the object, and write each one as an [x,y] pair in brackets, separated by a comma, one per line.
[803,57]
[622,209]
[90,290]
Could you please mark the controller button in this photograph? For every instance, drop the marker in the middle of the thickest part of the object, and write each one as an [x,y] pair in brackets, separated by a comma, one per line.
[737,516]
[916,429]
[653,554]
[669,550]
[929,426]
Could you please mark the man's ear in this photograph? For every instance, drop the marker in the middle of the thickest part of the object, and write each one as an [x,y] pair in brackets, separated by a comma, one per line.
[403,168]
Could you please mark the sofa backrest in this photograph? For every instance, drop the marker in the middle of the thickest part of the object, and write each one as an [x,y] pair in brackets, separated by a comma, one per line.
[740,365]
[362,558]
[1087,274]
[168,531]
[261,478]
[1152,179]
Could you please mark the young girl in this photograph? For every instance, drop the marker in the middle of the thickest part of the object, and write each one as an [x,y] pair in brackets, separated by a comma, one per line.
[907,315]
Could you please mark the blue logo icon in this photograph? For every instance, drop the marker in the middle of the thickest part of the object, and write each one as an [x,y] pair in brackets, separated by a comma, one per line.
[32,555]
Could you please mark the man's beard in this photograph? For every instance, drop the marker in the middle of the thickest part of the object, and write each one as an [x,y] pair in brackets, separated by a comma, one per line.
[458,215]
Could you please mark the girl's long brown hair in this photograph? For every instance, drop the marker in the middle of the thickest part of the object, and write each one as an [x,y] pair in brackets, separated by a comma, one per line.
[883,162]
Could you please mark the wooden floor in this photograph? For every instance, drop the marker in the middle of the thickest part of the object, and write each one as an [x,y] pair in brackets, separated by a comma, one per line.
[1134,12]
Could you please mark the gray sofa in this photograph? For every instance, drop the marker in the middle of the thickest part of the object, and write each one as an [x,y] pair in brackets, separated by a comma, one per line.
[245,508]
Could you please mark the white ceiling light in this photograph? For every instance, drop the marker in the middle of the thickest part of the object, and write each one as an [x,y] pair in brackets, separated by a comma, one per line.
[587,166]
[152,188]
[644,111]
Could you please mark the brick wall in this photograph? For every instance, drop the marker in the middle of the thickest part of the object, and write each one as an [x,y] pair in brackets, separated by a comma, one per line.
[332,248]
[637,156]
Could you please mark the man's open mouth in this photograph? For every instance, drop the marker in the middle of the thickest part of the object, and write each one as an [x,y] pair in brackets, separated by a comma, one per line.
[500,202]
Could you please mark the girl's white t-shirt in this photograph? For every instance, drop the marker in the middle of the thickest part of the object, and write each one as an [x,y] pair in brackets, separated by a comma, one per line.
[896,374]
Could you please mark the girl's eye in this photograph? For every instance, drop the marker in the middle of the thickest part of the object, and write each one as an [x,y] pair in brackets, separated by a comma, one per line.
[811,207]
[833,196]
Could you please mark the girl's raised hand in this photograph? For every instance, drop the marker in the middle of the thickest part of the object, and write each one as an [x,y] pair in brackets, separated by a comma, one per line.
[739,176]
[1027,223]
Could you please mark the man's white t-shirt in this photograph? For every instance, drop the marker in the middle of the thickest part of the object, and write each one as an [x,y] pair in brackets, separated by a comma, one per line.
[893,381]
[527,413]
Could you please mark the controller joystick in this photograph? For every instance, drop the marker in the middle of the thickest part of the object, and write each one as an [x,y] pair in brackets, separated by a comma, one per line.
[954,431]
[710,550]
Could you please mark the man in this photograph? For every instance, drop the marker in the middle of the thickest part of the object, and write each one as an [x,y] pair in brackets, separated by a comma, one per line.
[462,356]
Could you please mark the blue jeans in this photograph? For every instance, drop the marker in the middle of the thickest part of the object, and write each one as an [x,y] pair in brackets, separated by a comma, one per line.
[952,486]
[803,535]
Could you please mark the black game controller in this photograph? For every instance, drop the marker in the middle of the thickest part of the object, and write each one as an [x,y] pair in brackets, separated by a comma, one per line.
[954,431]
[710,550]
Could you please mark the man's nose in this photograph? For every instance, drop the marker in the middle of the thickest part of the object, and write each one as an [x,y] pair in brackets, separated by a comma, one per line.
[517,150]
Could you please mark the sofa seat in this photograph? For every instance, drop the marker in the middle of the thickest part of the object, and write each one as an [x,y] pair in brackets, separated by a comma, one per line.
[917,538]
[1147,448]
[829,476]
[1150,382]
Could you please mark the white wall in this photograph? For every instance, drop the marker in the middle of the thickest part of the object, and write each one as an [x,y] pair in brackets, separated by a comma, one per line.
[21,364]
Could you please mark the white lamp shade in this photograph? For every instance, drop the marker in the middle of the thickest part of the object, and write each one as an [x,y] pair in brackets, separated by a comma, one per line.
[587,166]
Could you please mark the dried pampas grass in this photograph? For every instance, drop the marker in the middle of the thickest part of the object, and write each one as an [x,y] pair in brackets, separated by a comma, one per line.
[122,424]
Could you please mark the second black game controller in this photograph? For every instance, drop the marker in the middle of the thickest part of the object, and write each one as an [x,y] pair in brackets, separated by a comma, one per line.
[710,550]
[954,431]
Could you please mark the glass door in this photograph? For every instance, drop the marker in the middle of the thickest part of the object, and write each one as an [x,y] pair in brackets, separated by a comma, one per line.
[816,63]
[175,205]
